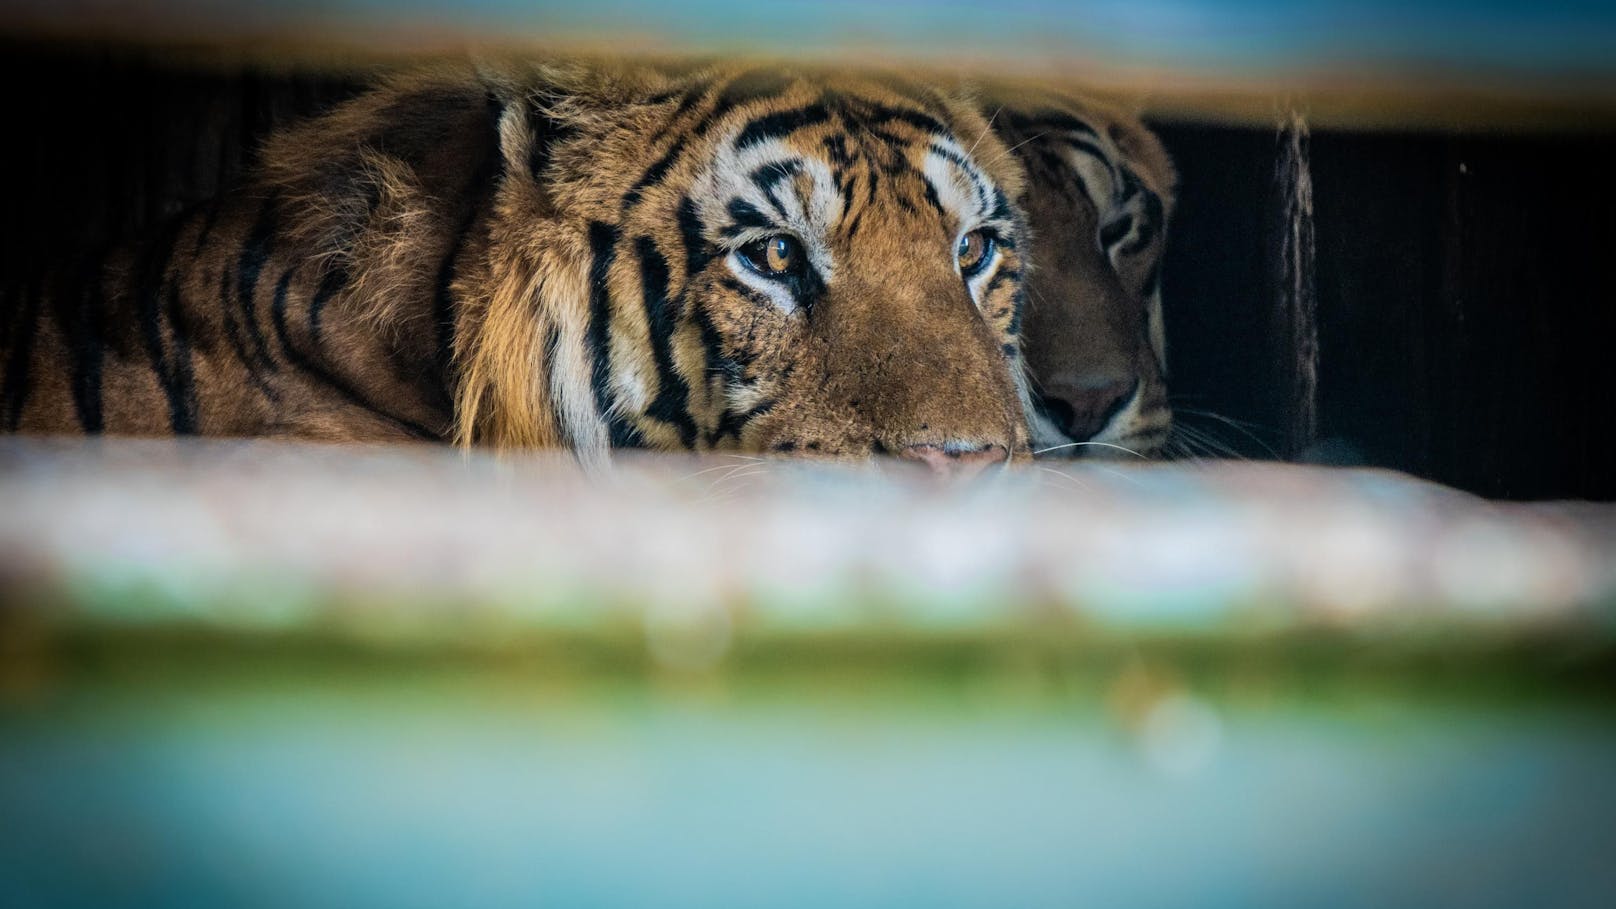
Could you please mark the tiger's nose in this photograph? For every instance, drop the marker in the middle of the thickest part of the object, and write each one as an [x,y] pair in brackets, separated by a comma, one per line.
[1081,408]
[955,460]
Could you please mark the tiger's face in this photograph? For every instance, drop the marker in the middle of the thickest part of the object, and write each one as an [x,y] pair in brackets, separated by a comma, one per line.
[1098,196]
[785,263]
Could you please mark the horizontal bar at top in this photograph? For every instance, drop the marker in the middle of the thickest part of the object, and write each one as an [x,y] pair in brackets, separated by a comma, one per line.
[1438,63]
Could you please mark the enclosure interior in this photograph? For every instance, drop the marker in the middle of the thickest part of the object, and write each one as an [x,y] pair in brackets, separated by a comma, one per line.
[1452,319]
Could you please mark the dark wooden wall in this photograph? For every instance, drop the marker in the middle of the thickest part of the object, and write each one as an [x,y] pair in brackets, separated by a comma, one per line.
[103,144]
[1465,305]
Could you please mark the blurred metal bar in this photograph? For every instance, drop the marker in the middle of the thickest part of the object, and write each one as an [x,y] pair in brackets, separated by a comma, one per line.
[247,535]
[1378,62]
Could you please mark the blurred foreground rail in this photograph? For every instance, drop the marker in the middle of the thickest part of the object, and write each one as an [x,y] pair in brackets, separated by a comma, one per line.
[261,537]
[263,674]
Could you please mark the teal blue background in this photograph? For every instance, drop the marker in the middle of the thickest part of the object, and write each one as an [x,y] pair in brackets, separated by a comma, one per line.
[404,796]
[1246,36]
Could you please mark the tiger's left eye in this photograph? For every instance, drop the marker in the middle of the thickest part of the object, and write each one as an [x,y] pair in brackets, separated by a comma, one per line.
[779,256]
[974,252]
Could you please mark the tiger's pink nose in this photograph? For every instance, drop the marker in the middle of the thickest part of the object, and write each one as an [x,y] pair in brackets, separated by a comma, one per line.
[955,461]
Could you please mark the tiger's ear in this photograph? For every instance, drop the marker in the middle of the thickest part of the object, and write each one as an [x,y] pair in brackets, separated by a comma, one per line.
[524,131]
[525,365]
[1146,156]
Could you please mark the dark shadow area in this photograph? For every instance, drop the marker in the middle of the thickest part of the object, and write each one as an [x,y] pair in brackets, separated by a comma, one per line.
[1465,304]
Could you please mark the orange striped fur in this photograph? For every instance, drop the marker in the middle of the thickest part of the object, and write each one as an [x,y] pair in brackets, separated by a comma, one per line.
[557,257]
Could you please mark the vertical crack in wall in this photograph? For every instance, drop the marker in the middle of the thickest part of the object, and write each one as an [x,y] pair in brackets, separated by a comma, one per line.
[1297,297]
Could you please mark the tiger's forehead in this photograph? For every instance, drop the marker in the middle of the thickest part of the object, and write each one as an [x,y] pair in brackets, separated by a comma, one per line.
[815,156]
[1069,144]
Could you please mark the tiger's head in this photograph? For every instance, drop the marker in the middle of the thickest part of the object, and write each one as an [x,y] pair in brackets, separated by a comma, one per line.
[1098,196]
[763,261]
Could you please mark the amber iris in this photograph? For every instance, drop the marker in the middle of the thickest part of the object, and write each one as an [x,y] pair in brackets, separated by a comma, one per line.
[776,256]
[975,248]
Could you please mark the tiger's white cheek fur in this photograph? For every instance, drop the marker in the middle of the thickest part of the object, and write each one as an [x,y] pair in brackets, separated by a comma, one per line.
[744,397]
[777,293]
[978,284]
[583,425]
[630,386]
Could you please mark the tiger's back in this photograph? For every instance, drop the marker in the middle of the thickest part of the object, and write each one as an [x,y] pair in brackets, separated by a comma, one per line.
[220,322]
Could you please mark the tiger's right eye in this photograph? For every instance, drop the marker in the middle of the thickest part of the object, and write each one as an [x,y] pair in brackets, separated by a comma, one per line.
[779,256]
[974,251]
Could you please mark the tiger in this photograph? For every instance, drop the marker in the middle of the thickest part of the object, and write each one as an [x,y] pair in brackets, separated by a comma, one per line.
[1099,194]
[571,255]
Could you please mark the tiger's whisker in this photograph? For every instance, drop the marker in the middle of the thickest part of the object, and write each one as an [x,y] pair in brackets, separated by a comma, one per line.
[996,112]
[1071,481]
[707,470]
[1123,448]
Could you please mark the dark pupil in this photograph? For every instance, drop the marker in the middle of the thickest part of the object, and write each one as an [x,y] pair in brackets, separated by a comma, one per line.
[965,246]
[782,250]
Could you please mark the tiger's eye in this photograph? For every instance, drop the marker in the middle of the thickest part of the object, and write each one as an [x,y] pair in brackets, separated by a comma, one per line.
[973,251]
[781,254]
